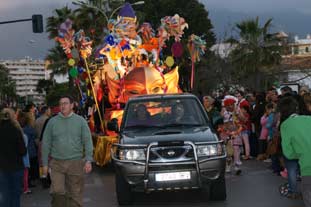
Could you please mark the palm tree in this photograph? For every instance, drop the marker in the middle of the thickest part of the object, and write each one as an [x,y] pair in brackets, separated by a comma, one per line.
[256,52]
[56,55]
[58,61]
[44,86]
[53,22]
[91,21]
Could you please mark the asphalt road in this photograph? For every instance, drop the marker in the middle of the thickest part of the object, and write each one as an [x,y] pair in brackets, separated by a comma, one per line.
[256,187]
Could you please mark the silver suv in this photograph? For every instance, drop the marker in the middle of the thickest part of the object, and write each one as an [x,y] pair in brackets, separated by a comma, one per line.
[166,144]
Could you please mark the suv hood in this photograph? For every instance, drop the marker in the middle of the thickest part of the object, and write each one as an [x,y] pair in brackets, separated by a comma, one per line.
[186,133]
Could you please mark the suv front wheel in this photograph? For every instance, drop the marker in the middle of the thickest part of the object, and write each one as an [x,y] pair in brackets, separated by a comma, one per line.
[218,189]
[123,190]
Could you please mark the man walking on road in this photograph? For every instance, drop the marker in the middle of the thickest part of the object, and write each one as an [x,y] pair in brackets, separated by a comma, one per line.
[67,141]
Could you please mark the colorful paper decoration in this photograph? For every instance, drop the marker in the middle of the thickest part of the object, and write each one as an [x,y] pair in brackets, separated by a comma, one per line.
[80,70]
[122,43]
[152,44]
[71,62]
[84,76]
[65,37]
[174,26]
[75,53]
[177,49]
[77,81]
[83,43]
[146,32]
[73,72]
[127,11]
[196,48]
[169,61]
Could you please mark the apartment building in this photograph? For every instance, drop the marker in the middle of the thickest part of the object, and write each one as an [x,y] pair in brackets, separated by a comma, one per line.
[26,73]
[301,46]
[296,64]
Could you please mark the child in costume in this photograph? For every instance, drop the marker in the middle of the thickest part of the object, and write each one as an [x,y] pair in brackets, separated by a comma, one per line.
[230,132]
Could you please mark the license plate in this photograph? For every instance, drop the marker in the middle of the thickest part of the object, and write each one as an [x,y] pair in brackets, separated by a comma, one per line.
[172,176]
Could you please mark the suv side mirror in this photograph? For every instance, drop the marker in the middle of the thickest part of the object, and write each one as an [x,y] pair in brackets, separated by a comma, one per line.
[112,125]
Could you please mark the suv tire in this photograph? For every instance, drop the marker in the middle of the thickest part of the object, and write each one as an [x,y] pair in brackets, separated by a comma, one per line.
[218,189]
[123,190]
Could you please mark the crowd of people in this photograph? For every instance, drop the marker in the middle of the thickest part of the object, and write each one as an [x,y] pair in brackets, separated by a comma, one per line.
[269,127]
[35,147]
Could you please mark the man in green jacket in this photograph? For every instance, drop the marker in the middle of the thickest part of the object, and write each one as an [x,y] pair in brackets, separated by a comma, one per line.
[67,141]
[296,141]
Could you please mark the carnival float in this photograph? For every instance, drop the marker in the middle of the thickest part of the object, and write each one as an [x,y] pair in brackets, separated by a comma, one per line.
[129,62]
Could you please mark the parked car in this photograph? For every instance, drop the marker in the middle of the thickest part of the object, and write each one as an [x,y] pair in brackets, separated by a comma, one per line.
[166,144]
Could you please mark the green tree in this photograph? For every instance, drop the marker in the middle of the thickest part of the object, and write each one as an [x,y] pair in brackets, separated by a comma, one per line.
[256,53]
[44,86]
[59,89]
[194,13]
[7,87]
[199,23]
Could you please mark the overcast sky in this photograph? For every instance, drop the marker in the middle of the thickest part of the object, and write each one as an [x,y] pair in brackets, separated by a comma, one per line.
[18,41]
[303,6]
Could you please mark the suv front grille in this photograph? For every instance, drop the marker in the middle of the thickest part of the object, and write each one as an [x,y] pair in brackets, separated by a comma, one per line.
[171,153]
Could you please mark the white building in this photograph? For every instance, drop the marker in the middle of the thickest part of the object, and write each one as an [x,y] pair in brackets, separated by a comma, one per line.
[296,69]
[301,46]
[223,49]
[296,63]
[26,73]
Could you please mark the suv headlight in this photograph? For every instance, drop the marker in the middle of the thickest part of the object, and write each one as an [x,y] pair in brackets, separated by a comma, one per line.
[209,150]
[132,154]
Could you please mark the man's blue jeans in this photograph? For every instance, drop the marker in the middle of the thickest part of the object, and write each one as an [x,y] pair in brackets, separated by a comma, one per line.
[292,172]
[10,188]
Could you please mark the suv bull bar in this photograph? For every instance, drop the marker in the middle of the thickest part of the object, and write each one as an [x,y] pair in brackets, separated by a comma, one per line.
[195,161]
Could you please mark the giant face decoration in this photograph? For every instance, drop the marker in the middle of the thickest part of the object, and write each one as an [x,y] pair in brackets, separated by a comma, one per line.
[142,81]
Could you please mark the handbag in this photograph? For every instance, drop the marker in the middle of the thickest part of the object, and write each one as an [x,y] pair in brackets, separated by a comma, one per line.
[273,146]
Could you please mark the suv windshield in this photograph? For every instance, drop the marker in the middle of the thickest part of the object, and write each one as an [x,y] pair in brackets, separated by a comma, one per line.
[164,113]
